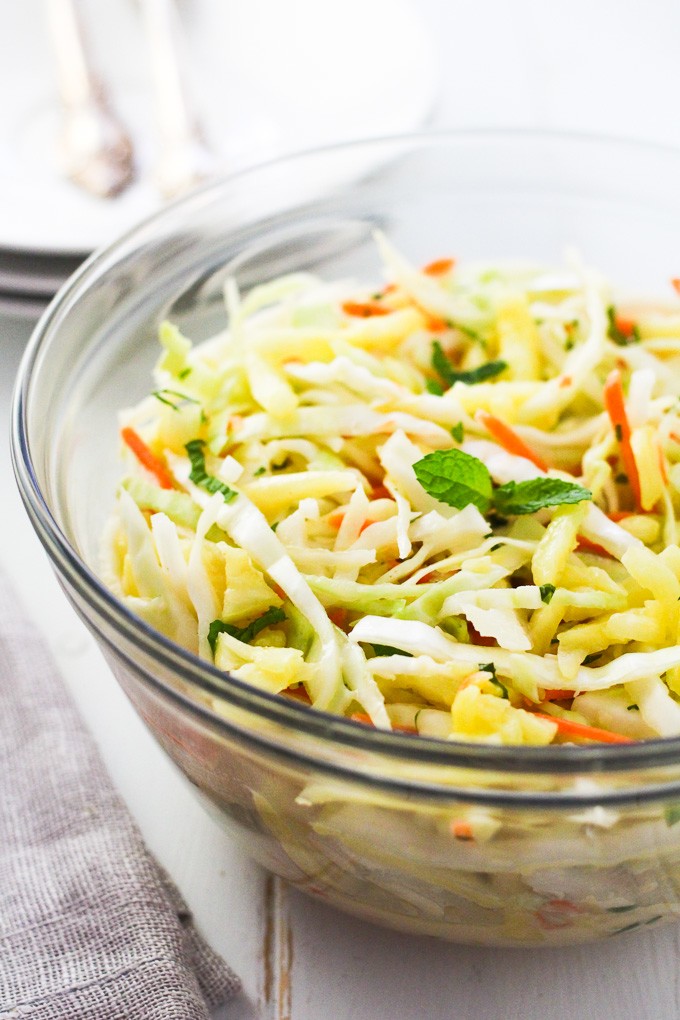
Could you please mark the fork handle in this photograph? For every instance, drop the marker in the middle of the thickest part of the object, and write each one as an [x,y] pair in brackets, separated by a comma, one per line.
[96,151]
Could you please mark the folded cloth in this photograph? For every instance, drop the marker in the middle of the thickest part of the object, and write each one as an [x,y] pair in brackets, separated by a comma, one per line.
[90,927]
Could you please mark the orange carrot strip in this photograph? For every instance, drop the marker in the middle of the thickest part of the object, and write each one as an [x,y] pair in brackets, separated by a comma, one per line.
[297,694]
[461,829]
[620,515]
[616,409]
[380,492]
[576,729]
[147,459]
[338,616]
[509,439]
[336,517]
[439,267]
[585,545]
[676,283]
[435,325]
[557,695]
[364,311]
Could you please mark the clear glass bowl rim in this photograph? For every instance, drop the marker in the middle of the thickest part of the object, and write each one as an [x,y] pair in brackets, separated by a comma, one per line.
[288,713]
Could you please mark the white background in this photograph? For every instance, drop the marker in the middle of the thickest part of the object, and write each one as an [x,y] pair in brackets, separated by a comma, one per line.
[599,66]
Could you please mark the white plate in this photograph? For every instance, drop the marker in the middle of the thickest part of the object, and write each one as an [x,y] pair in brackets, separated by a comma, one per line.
[270,76]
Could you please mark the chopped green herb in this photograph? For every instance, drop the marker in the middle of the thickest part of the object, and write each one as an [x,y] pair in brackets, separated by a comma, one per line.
[547,591]
[184,373]
[487,667]
[199,476]
[389,650]
[613,331]
[163,395]
[458,432]
[621,910]
[260,471]
[628,927]
[433,387]
[632,708]
[450,375]
[569,344]
[671,813]
[246,634]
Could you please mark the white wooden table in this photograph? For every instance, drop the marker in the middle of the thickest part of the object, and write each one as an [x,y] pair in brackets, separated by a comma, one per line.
[594,65]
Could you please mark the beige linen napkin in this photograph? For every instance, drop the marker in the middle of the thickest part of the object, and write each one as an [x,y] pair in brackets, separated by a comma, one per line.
[89,925]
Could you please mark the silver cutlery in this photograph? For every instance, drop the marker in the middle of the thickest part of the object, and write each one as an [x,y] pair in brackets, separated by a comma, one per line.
[95,150]
[184,157]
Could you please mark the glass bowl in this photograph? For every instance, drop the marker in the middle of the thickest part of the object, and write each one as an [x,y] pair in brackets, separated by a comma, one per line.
[571,843]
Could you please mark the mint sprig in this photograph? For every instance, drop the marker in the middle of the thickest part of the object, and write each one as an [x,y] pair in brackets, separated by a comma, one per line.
[458,479]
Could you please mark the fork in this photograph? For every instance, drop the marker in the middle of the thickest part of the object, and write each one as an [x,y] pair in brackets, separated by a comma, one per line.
[185,158]
[95,149]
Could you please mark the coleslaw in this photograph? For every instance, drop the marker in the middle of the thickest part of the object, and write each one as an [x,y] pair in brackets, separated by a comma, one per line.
[445,504]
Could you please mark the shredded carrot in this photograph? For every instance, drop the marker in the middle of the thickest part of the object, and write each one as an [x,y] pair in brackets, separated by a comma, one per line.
[557,695]
[235,422]
[509,439]
[338,616]
[676,283]
[436,325]
[585,545]
[461,829]
[625,326]
[380,492]
[440,267]
[147,458]
[297,694]
[663,468]
[362,717]
[365,310]
[336,517]
[620,515]
[576,729]
[616,409]
[565,381]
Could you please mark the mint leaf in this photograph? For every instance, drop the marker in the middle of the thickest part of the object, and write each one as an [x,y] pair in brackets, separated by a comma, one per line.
[246,634]
[455,478]
[448,373]
[527,497]
[547,591]
[199,475]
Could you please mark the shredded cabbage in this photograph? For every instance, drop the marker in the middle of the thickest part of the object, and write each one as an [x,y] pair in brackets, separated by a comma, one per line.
[312,557]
